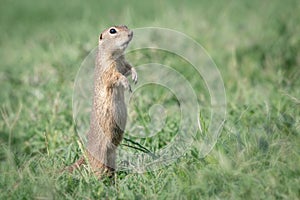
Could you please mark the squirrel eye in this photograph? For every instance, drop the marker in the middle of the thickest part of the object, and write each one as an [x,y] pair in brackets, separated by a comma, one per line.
[112,31]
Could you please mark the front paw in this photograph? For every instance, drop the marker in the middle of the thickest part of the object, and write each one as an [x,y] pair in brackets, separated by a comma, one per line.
[124,81]
[134,75]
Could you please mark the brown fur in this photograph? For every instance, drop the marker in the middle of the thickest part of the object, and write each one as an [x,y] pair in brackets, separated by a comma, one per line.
[109,114]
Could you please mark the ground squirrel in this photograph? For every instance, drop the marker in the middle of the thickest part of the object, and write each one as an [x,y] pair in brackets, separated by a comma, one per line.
[109,113]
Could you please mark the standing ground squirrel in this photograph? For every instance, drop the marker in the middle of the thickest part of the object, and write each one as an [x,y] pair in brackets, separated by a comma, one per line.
[109,113]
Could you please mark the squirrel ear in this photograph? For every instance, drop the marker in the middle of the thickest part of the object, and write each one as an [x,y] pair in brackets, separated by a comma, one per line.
[100,37]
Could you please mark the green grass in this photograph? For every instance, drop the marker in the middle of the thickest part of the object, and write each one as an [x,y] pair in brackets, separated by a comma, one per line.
[256,47]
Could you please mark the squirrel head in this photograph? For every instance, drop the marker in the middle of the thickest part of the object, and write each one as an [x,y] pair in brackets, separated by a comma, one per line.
[115,40]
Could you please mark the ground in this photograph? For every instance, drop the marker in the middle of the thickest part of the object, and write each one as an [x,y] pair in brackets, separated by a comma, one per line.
[255,46]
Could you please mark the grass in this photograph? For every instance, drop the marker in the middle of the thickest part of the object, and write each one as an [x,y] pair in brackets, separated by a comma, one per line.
[256,48]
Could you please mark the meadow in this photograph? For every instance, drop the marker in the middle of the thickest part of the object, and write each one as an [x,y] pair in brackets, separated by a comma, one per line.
[254,44]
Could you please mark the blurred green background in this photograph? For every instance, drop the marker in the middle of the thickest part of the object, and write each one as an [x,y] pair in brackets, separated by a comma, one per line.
[255,45]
